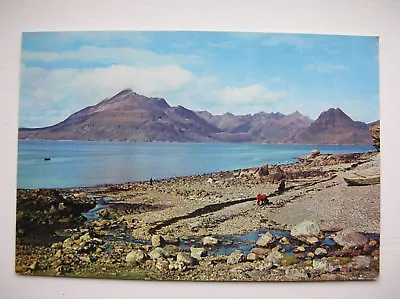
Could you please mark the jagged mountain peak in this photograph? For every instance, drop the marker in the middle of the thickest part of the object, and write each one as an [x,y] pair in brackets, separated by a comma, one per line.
[128,116]
[334,127]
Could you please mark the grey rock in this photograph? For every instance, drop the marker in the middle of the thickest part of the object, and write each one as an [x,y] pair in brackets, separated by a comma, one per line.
[361,262]
[207,241]
[252,256]
[323,265]
[314,153]
[158,253]
[350,239]
[198,253]
[275,258]
[185,258]
[267,265]
[320,251]
[135,256]
[171,249]
[307,231]
[236,257]
[260,252]
[265,240]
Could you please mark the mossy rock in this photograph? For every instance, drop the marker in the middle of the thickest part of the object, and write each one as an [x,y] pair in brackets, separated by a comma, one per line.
[340,261]
[288,260]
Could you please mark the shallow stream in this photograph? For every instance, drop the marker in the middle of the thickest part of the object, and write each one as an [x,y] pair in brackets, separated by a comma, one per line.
[227,243]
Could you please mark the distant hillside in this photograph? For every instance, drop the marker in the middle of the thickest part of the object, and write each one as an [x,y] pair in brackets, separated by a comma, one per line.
[128,116]
[260,127]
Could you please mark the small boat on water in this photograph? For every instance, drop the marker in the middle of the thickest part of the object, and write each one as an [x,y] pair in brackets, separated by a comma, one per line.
[363,180]
[47,159]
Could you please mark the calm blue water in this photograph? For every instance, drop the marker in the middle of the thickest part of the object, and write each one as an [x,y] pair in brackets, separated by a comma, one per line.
[81,163]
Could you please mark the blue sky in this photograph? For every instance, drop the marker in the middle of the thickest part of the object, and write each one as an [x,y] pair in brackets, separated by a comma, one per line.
[241,73]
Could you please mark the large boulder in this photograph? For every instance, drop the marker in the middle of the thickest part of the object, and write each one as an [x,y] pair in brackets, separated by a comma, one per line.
[350,239]
[375,133]
[197,253]
[275,258]
[361,262]
[265,240]
[260,252]
[307,231]
[210,241]
[159,253]
[135,256]
[252,257]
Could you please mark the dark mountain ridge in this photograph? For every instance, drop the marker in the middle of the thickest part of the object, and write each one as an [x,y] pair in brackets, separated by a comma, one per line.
[334,127]
[128,116]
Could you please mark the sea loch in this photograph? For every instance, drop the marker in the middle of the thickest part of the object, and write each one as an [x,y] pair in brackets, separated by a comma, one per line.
[79,163]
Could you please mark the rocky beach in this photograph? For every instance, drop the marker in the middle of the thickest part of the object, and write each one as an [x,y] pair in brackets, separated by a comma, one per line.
[314,226]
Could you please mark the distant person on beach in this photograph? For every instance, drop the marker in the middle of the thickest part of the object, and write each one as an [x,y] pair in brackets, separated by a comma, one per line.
[281,187]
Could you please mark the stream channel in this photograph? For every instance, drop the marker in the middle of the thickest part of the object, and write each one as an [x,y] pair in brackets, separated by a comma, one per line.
[227,243]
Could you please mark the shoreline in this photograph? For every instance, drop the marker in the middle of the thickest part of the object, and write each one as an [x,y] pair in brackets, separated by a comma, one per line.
[223,203]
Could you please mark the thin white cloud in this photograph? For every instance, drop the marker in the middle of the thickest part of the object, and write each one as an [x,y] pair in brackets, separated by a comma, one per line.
[50,96]
[249,95]
[221,44]
[68,90]
[125,56]
[299,42]
[325,67]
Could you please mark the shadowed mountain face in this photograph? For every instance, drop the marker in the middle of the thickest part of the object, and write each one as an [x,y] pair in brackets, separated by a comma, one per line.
[334,127]
[128,116]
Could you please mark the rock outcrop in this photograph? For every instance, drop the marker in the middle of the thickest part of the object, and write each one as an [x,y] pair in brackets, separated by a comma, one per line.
[375,133]
[47,210]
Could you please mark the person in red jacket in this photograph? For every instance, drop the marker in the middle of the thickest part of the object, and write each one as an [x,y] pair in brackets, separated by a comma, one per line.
[262,199]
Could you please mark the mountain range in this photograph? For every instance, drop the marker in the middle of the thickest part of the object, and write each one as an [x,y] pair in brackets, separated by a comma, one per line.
[128,116]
